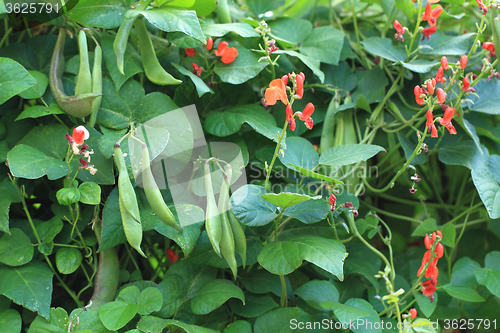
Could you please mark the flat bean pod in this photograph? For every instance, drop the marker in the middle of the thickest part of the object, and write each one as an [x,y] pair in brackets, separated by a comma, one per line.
[212,217]
[120,43]
[96,84]
[227,246]
[84,81]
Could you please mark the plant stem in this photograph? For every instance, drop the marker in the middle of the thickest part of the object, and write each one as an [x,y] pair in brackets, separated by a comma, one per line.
[276,152]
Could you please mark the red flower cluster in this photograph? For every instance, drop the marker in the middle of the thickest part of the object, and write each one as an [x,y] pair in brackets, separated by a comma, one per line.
[431,15]
[434,252]
[277,91]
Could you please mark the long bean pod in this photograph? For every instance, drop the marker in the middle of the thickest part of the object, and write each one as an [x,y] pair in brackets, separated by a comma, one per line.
[212,216]
[227,247]
[120,43]
[96,84]
[84,81]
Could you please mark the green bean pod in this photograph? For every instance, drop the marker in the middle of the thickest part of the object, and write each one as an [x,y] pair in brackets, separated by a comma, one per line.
[84,81]
[240,240]
[96,84]
[227,247]
[223,12]
[153,194]
[327,134]
[78,105]
[107,277]
[129,209]
[120,43]
[495,29]
[213,223]
[154,72]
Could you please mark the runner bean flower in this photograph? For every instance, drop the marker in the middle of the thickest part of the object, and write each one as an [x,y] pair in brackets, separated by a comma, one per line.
[80,134]
[197,70]
[227,54]
[431,15]
[400,31]
[490,47]
[431,257]
[427,32]
[189,52]
[446,120]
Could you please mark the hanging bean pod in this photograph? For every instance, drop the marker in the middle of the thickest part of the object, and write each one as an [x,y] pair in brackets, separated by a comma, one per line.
[212,217]
[227,246]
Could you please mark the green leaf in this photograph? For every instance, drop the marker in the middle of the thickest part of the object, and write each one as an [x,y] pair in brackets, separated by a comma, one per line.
[230,121]
[28,162]
[129,295]
[218,30]
[324,44]
[239,326]
[420,65]
[68,196]
[463,293]
[489,92]
[29,286]
[89,320]
[316,175]
[250,208]
[424,303]
[490,278]
[37,90]
[441,44]
[301,152]
[150,300]
[409,148]
[315,292]
[426,227]
[16,249]
[290,30]
[486,185]
[244,67]
[201,86]
[8,195]
[310,211]
[282,320]
[90,193]
[37,111]
[14,79]
[285,200]
[10,321]
[95,13]
[310,62]
[463,273]
[384,48]
[112,232]
[459,153]
[367,264]
[283,257]
[47,231]
[155,324]
[348,154]
[56,323]
[263,282]
[449,234]
[263,6]
[213,294]
[169,19]
[114,315]
[492,260]
[255,305]
[345,312]
[68,260]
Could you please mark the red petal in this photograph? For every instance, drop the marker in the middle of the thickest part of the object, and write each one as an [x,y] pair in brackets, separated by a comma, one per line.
[210,43]
[309,123]
[463,62]
[308,111]
[444,63]
[441,95]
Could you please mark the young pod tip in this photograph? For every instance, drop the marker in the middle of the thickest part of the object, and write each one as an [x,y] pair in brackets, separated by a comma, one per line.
[144,145]
[117,145]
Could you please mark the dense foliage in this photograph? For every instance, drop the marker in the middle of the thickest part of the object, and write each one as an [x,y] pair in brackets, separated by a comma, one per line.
[249,166]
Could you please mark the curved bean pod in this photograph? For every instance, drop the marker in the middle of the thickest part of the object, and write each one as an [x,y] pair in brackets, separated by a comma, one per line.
[120,43]
[96,84]
[212,217]
[84,81]
[227,246]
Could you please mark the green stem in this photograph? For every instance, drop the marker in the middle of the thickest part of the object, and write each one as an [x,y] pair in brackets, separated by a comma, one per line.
[276,152]
[415,32]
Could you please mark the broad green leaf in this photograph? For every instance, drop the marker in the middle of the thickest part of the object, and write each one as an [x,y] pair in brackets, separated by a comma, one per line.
[449,234]
[441,44]
[218,30]
[89,320]
[28,162]
[250,208]
[68,196]
[371,321]
[15,249]
[204,7]
[38,89]
[315,292]
[176,3]
[316,175]
[489,92]
[324,44]
[463,273]
[409,148]
[131,64]
[114,315]
[214,294]
[8,195]
[129,295]
[37,111]
[47,231]
[490,278]
[169,19]
[426,227]
[282,320]
[263,6]
[285,200]
[340,76]
[244,67]
[95,13]
[56,323]
[90,193]
[263,282]
[463,293]
[68,260]
[345,312]
[201,86]
[310,62]
[424,303]
[150,300]
[492,260]
[283,257]
[112,232]
[10,321]
[384,48]
[290,30]
[29,286]
[155,324]
[486,185]
[47,139]
[14,79]
[459,153]
[310,211]
[494,166]
[423,325]
[419,65]
[363,263]
[255,305]
[301,152]
[230,121]
[239,326]
[348,154]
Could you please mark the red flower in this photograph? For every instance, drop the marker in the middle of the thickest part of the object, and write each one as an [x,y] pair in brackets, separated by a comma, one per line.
[197,70]
[463,62]
[210,43]
[413,313]
[429,287]
[431,16]
[189,52]
[289,113]
[427,32]
[418,92]
[284,78]
[490,47]
[80,134]
[430,87]
[446,120]
[482,6]
[427,240]
[440,74]
[226,53]
[299,79]
[172,256]
[439,250]
[332,201]
[441,95]
[466,85]
[306,115]
[430,125]
[444,63]
[292,124]
[275,92]
[400,31]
